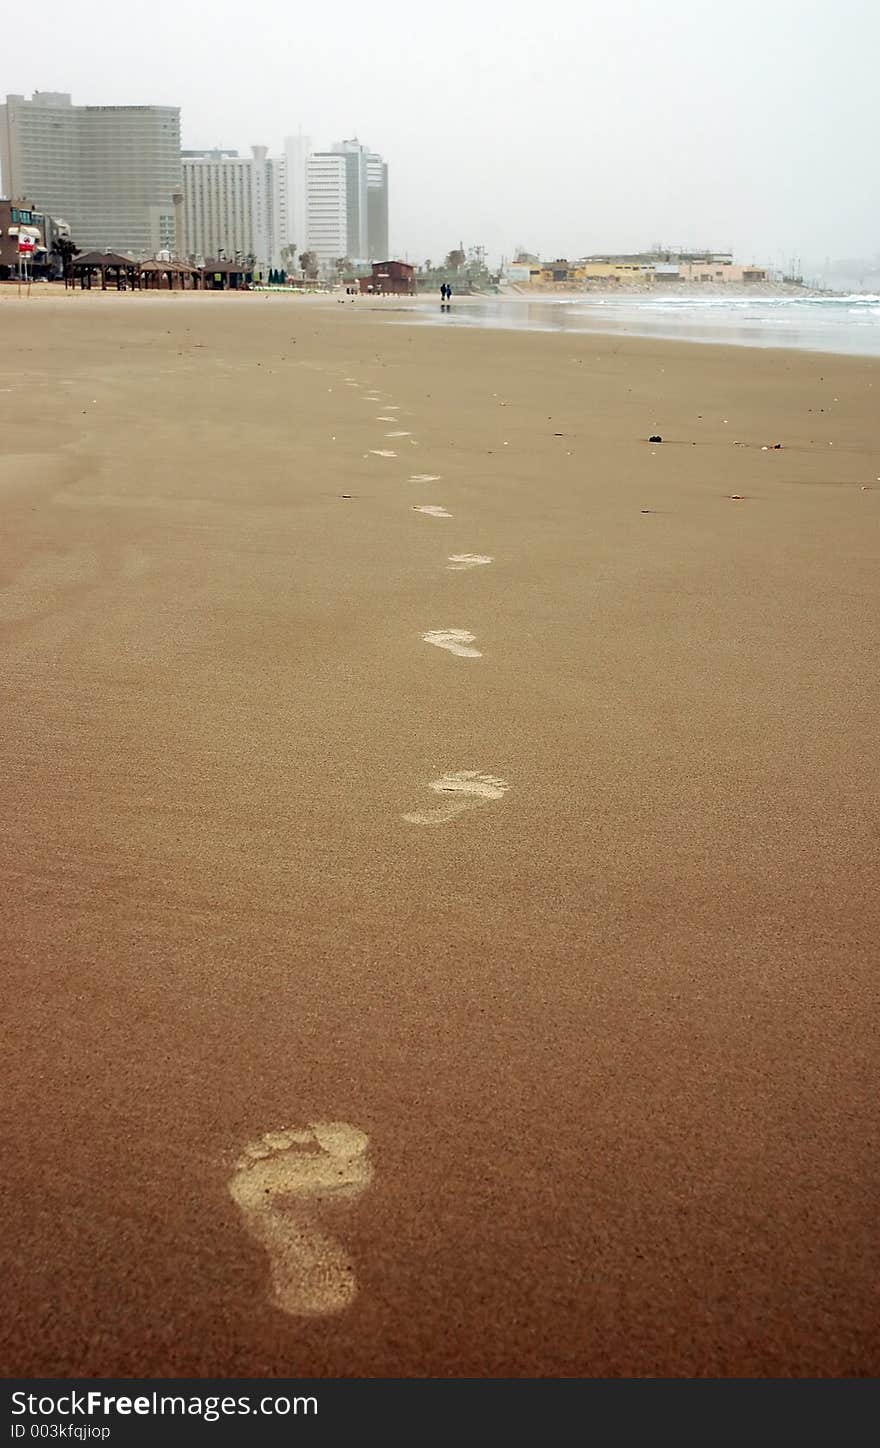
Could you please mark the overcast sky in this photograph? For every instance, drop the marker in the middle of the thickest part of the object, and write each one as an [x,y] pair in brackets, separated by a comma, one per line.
[567,128]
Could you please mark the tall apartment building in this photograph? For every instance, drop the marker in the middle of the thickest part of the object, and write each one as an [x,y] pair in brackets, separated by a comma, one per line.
[377,208]
[229,205]
[111,172]
[347,203]
[327,207]
[355,155]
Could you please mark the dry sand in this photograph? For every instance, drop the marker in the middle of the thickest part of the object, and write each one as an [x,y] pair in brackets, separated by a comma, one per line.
[611,1030]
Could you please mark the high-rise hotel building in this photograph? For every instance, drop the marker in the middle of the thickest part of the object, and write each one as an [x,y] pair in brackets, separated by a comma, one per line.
[111,172]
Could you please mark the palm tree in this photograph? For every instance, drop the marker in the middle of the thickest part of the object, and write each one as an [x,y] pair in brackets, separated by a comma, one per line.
[66,249]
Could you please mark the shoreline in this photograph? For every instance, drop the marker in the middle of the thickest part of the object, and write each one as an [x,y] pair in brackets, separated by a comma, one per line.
[423,308]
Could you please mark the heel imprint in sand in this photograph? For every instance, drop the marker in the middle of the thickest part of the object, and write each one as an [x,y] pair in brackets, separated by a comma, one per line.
[433,510]
[289,1186]
[459,561]
[460,791]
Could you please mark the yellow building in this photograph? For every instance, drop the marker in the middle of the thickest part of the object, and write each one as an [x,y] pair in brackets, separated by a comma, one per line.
[625,273]
[614,273]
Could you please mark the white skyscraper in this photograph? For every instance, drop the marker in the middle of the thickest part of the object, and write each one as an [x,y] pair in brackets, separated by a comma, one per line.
[111,171]
[292,225]
[326,207]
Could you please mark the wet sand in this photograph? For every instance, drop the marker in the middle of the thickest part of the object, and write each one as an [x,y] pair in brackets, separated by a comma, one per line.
[611,1030]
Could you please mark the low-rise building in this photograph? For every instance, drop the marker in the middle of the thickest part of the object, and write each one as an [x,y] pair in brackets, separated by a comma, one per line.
[577,273]
[390,277]
[20,219]
[720,272]
[639,269]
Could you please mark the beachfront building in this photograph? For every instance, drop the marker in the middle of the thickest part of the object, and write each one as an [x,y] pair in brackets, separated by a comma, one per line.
[390,278]
[638,269]
[229,206]
[562,273]
[111,171]
[717,272]
[21,221]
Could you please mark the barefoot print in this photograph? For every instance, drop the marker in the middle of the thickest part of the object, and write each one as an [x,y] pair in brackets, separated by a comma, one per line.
[382,452]
[433,510]
[286,1185]
[424,477]
[455,640]
[462,791]
[460,561]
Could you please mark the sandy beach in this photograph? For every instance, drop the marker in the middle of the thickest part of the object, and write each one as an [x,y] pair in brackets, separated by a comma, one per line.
[568,1064]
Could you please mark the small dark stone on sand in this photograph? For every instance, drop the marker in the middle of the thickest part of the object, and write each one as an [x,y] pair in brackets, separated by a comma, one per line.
[656,438]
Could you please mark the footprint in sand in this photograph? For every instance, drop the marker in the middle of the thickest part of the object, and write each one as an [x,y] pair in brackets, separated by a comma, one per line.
[386,419]
[382,452]
[286,1185]
[458,562]
[433,510]
[463,790]
[424,477]
[456,640]
[398,434]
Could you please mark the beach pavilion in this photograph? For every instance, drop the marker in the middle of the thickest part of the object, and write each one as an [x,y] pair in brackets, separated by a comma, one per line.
[121,269]
[218,275]
[155,274]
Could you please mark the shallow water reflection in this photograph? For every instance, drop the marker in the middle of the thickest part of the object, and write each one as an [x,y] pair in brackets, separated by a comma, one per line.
[822,324]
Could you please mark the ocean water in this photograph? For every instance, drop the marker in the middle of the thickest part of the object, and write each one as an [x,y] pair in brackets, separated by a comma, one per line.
[816,324]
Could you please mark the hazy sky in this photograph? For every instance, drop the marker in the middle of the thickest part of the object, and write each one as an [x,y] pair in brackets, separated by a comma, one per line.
[568,128]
